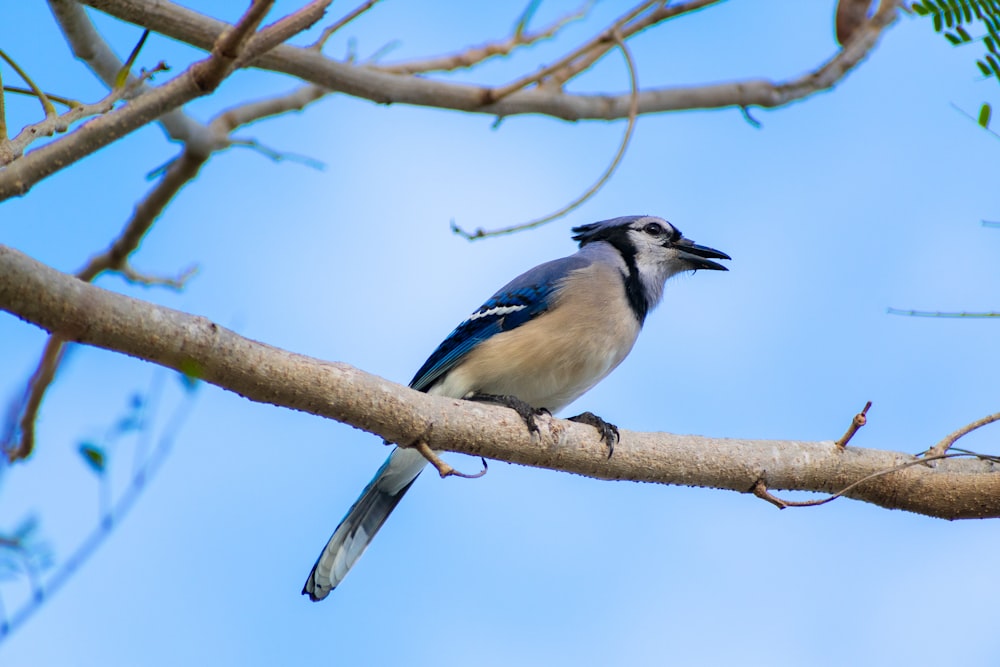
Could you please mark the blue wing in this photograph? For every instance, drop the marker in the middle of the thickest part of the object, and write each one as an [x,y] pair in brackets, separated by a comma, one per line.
[523,299]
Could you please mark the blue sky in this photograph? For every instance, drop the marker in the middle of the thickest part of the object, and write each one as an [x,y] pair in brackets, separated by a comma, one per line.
[838,207]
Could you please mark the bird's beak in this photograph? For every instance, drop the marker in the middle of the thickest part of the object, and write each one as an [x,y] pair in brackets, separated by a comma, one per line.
[698,255]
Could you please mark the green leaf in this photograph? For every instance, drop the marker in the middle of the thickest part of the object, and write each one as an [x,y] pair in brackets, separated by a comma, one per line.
[94,456]
[994,66]
[983,67]
[920,9]
[963,8]
[984,115]
[954,39]
[963,33]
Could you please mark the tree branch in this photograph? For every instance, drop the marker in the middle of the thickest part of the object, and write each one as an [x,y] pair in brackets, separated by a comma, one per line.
[88,314]
[199,79]
[88,46]
[378,86]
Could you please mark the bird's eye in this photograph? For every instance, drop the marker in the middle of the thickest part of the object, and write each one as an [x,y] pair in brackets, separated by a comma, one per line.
[653,229]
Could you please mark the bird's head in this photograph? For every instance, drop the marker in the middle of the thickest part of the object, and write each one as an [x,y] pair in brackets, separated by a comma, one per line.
[653,250]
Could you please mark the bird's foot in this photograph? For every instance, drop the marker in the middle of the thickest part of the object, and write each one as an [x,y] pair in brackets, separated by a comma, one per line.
[609,432]
[525,411]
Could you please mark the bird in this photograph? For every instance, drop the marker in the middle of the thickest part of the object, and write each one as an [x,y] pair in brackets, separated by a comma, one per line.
[536,345]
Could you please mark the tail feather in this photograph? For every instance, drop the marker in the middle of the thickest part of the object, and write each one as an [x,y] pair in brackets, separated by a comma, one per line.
[363,520]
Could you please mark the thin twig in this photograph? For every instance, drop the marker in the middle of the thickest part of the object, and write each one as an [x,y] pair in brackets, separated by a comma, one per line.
[65,101]
[475,55]
[443,468]
[6,152]
[759,488]
[177,174]
[350,16]
[859,420]
[178,282]
[950,440]
[932,313]
[114,515]
[19,439]
[592,190]
[42,97]
[628,25]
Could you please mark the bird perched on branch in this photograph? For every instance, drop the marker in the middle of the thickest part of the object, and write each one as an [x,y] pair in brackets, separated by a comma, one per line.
[536,345]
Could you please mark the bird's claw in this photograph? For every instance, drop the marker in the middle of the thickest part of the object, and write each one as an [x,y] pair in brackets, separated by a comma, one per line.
[608,431]
[525,411]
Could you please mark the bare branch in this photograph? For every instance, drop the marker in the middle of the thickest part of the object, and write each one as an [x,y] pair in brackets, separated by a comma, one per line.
[283,30]
[19,443]
[477,54]
[251,112]
[859,420]
[88,314]
[629,24]
[88,46]
[340,23]
[938,313]
[592,190]
[445,470]
[199,79]
[943,446]
[47,108]
[6,150]
[370,83]
[18,438]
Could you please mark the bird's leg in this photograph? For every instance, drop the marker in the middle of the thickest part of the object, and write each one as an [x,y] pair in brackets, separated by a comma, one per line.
[609,432]
[524,410]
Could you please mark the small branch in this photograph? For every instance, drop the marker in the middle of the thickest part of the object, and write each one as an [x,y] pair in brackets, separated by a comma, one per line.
[607,36]
[89,47]
[859,420]
[111,515]
[350,16]
[19,443]
[6,150]
[47,107]
[443,468]
[199,79]
[943,446]
[283,30]
[65,101]
[279,156]
[19,433]
[759,488]
[251,112]
[475,55]
[178,282]
[931,313]
[592,190]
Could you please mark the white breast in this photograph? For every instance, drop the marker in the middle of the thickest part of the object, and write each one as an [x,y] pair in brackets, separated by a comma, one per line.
[550,361]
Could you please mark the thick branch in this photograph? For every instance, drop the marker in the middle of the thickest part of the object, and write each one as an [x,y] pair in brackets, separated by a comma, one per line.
[369,83]
[88,314]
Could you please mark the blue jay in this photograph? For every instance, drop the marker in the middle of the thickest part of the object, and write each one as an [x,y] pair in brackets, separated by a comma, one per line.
[536,345]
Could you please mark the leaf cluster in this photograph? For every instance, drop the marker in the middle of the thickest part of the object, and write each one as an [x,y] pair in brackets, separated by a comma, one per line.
[951,18]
